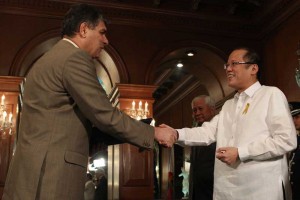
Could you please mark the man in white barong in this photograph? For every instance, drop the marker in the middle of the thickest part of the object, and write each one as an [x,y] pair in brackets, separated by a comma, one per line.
[254,131]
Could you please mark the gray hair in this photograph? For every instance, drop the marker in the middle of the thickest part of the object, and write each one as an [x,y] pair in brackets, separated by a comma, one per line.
[208,100]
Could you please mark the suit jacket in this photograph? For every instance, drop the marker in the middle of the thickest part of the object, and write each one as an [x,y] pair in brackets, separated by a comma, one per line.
[62,99]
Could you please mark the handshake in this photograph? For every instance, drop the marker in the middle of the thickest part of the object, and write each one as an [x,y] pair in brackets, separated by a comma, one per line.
[165,135]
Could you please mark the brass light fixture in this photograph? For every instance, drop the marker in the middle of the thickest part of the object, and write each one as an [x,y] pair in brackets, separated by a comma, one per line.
[6,119]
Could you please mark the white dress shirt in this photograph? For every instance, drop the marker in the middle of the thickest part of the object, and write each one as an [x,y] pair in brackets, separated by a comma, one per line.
[258,122]
[68,40]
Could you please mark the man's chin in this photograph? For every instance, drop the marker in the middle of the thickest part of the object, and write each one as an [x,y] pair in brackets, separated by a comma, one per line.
[200,121]
[96,56]
[231,84]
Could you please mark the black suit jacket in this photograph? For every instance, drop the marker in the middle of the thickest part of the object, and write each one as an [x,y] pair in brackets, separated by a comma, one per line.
[202,172]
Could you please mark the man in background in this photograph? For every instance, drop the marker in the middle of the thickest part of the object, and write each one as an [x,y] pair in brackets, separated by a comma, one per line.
[101,185]
[89,189]
[294,162]
[63,100]
[202,157]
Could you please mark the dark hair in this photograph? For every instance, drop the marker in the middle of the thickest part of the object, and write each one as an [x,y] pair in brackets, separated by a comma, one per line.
[78,14]
[251,56]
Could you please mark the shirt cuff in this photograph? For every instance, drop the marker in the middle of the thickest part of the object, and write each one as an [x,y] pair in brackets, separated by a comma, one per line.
[181,135]
[243,153]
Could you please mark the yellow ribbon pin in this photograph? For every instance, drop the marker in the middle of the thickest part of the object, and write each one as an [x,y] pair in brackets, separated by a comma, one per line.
[246,108]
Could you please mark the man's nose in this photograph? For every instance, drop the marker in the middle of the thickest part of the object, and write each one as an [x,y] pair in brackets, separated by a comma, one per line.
[106,42]
[198,112]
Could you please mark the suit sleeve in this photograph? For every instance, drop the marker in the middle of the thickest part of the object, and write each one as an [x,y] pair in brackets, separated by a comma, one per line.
[80,80]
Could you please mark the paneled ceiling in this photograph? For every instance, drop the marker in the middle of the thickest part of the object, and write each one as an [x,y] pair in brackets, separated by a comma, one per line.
[249,18]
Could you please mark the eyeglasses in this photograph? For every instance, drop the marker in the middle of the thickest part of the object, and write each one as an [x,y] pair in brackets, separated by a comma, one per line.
[233,64]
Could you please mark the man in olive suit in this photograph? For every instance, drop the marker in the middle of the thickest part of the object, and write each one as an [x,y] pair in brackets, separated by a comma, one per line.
[62,100]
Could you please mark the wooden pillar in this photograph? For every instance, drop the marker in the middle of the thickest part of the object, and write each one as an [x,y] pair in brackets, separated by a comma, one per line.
[9,86]
[131,174]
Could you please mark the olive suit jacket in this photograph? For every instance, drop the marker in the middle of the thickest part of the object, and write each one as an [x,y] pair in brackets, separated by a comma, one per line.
[62,99]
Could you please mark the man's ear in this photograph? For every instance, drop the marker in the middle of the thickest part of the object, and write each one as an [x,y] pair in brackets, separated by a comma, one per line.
[83,29]
[254,69]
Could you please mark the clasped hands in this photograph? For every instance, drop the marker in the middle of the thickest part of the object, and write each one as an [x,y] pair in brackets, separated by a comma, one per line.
[165,135]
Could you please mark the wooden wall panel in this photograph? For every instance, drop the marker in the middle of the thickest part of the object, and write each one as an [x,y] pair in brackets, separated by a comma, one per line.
[18,31]
[280,59]
[136,173]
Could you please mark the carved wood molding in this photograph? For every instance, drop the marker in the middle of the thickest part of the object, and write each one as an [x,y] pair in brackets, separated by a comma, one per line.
[274,19]
[161,18]
[133,91]
[41,8]
[32,50]
[188,84]
[10,83]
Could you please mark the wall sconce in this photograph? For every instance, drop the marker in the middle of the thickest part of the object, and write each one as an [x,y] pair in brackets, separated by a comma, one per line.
[140,112]
[5,119]
[297,75]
